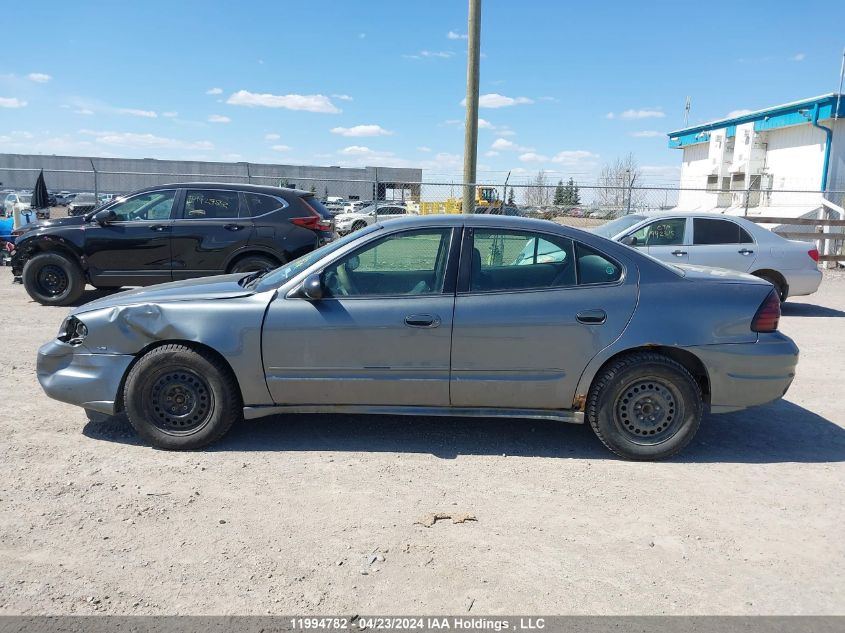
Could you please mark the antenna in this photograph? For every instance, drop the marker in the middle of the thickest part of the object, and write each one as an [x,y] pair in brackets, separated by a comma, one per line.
[687,107]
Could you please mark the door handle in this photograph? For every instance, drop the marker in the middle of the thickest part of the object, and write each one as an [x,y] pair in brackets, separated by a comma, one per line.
[233,227]
[592,317]
[745,251]
[679,253]
[422,320]
[160,227]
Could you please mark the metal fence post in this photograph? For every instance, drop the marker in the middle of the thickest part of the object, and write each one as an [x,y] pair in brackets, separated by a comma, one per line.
[96,183]
[375,195]
[747,196]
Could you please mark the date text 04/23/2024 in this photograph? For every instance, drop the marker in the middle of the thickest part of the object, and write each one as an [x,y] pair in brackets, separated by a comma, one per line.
[430,623]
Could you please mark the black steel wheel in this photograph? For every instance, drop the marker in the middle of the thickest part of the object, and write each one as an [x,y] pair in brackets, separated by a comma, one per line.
[179,398]
[253,263]
[53,279]
[645,406]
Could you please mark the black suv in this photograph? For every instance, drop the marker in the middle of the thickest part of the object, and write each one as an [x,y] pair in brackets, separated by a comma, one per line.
[167,233]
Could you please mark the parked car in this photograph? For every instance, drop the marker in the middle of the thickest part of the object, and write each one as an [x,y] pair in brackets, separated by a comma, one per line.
[167,233]
[354,206]
[348,222]
[432,316]
[82,203]
[724,241]
[15,201]
[63,198]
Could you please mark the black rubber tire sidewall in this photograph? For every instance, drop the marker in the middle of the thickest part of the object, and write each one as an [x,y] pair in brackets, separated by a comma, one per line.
[76,280]
[252,263]
[610,383]
[776,284]
[358,226]
[227,408]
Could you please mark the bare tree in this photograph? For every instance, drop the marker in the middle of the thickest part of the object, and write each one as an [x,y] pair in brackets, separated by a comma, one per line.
[616,185]
[539,193]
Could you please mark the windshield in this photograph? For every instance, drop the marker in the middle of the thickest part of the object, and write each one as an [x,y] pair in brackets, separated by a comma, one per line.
[283,274]
[618,225]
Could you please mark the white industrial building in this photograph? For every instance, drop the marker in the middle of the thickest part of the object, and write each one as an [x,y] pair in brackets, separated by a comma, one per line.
[783,161]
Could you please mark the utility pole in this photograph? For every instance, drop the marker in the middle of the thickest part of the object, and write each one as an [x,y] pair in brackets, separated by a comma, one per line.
[471,124]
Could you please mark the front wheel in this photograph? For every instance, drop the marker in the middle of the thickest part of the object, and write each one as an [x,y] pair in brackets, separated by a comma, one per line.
[52,279]
[645,406]
[253,263]
[180,399]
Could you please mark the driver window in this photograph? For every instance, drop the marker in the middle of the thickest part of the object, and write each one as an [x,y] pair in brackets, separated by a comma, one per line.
[668,232]
[409,263]
[153,205]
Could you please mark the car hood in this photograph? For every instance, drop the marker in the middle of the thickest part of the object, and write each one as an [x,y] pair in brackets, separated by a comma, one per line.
[204,288]
[46,224]
[709,273]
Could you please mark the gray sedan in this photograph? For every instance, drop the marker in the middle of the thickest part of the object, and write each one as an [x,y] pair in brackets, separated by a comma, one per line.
[443,315]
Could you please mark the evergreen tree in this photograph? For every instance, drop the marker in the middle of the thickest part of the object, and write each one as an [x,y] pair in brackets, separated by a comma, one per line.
[511,198]
[560,193]
[574,193]
[313,188]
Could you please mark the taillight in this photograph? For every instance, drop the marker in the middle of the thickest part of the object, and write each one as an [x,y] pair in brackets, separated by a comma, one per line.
[768,314]
[315,221]
[814,254]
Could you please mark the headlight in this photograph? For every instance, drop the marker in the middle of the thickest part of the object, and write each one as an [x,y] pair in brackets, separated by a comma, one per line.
[72,331]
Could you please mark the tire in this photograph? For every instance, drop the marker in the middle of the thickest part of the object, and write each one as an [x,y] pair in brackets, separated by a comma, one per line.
[52,279]
[645,406]
[210,399]
[776,283]
[253,263]
[358,226]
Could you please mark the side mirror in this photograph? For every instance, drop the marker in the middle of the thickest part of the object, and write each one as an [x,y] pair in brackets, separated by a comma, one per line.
[312,287]
[629,240]
[105,216]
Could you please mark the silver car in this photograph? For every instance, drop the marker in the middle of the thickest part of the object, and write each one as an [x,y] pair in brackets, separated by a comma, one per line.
[442,315]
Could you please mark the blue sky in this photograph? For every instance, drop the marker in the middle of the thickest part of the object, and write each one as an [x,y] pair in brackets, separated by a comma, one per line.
[567,86]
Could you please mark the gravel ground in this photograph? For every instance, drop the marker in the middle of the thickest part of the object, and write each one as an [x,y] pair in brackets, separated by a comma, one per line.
[310,514]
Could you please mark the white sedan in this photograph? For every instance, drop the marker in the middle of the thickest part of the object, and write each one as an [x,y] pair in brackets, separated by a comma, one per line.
[721,241]
[347,222]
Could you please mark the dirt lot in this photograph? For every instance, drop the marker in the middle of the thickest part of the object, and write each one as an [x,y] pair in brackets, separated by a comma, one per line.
[317,514]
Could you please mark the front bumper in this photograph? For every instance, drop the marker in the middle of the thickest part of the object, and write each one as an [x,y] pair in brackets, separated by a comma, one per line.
[74,375]
[745,375]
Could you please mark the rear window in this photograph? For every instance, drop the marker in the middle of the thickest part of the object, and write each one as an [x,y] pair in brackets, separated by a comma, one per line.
[261,204]
[319,207]
[709,232]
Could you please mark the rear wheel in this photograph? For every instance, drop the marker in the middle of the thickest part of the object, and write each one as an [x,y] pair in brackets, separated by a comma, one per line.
[645,406]
[253,263]
[180,399]
[52,279]
[776,282]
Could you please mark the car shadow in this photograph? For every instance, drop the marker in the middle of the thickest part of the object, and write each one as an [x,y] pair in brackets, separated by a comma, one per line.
[809,310]
[775,433]
[91,294]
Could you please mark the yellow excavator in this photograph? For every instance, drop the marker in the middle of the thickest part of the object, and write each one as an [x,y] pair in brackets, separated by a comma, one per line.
[486,201]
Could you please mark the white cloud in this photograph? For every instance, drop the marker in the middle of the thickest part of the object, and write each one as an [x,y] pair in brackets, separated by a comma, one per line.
[491,153]
[646,134]
[214,91]
[484,124]
[637,114]
[547,98]
[307,103]
[505,144]
[11,102]
[272,137]
[218,118]
[40,78]
[342,97]
[798,57]
[574,157]
[355,150]
[281,148]
[170,115]
[452,35]
[735,113]
[430,54]
[144,141]
[495,100]
[361,130]
[533,157]
[147,114]
[423,148]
